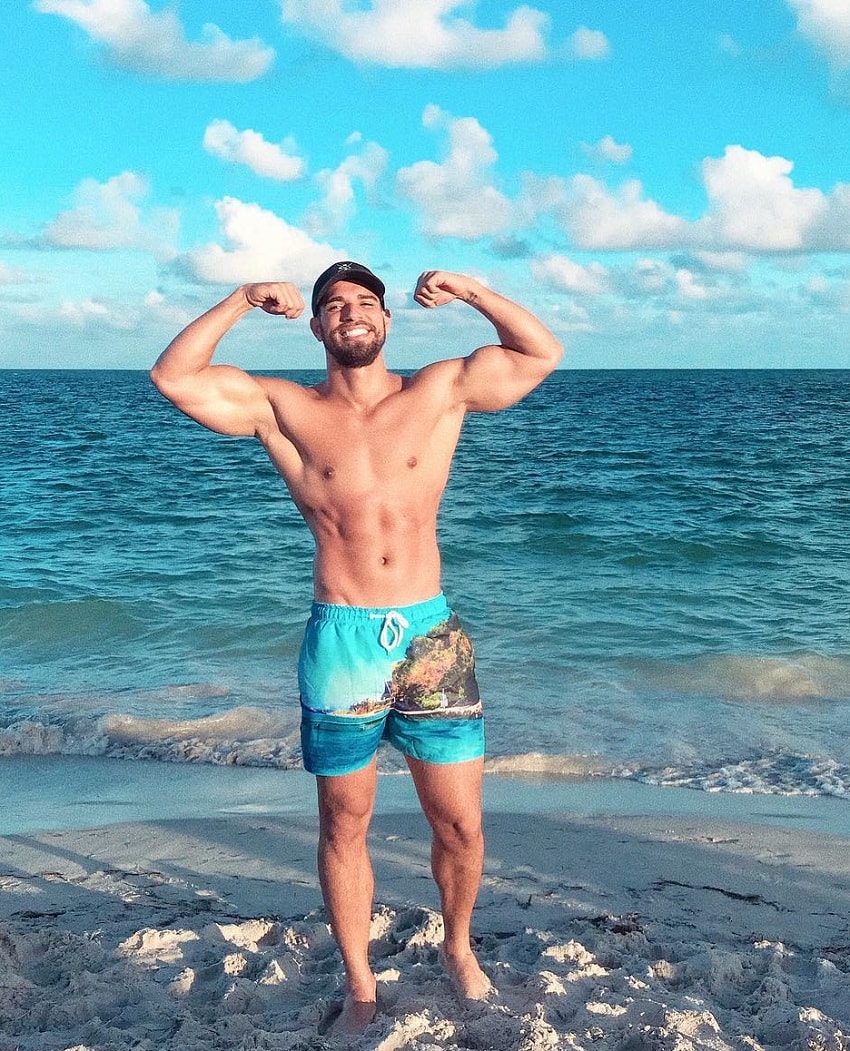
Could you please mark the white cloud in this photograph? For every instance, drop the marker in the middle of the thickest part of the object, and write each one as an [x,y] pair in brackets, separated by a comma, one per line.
[336,207]
[643,278]
[598,218]
[425,34]
[607,150]
[722,262]
[755,206]
[456,198]
[79,313]
[689,286]
[589,45]
[102,315]
[565,275]
[832,232]
[263,247]
[108,216]
[650,276]
[155,44]
[9,275]
[153,314]
[265,159]
[826,23]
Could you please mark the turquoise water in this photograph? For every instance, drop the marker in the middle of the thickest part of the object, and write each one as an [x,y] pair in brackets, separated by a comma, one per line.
[653,566]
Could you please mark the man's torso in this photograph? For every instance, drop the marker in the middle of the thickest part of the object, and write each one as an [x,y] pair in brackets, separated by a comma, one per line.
[368,483]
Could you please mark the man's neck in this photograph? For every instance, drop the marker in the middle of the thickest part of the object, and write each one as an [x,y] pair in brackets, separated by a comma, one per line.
[362,388]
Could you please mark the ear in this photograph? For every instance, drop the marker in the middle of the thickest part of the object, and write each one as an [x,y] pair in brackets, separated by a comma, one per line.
[316,328]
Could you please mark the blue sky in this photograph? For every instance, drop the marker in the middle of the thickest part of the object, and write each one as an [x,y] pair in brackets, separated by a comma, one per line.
[666,184]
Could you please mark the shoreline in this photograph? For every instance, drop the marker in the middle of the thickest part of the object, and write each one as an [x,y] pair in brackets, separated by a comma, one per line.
[59,793]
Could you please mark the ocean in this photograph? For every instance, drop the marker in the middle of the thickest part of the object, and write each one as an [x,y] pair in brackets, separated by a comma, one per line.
[653,566]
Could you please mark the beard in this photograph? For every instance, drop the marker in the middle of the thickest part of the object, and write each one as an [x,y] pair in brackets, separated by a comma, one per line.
[357,354]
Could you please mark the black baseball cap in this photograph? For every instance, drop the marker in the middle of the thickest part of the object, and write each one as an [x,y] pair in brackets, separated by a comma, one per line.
[346,271]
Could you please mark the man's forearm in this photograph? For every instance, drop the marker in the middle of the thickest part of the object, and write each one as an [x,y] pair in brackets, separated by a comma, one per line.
[192,350]
[517,328]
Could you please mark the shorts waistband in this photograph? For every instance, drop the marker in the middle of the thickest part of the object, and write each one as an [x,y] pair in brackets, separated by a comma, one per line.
[333,611]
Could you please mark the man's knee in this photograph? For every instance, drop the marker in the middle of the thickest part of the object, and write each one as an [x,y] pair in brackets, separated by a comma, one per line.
[345,807]
[457,831]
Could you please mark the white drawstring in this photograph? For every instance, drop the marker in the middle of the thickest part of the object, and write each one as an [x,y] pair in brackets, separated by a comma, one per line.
[392,630]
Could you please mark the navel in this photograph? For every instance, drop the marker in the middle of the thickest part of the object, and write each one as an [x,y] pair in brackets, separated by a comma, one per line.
[412,462]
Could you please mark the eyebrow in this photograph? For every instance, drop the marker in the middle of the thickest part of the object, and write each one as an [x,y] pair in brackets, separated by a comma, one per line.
[365,294]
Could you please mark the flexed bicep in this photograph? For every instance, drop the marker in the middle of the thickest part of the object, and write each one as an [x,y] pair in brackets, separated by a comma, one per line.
[496,377]
[499,374]
[222,397]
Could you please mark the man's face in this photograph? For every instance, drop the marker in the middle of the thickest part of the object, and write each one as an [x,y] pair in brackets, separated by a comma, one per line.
[352,324]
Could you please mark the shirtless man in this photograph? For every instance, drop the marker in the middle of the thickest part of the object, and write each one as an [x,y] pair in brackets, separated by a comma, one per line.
[365,455]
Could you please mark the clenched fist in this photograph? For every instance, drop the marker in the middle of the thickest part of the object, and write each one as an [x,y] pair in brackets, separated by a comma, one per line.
[275,297]
[435,288]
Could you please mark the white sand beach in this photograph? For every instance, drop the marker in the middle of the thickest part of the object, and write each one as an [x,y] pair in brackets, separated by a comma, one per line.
[629,918]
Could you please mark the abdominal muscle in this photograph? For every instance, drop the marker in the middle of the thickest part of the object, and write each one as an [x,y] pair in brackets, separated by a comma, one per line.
[376,557]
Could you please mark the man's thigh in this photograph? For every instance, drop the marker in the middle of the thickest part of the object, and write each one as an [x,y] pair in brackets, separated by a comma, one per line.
[450,793]
[347,799]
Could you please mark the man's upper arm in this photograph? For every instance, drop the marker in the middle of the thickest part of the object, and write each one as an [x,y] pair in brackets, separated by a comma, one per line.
[220,397]
[494,377]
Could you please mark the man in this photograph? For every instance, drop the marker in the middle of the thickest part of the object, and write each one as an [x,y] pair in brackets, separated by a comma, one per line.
[365,455]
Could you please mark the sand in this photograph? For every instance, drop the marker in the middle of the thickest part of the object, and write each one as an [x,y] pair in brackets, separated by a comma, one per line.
[608,919]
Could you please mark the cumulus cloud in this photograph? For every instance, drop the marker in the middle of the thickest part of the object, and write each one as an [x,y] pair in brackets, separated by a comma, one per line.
[456,198]
[673,285]
[608,151]
[265,159]
[826,23]
[155,44]
[152,313]
[261,247]
[689,286]
[564,275]
[598,218]
[755,206]
[719,262]
[82,311]
[338,187]
[109,216]
[425,34]
[589,45]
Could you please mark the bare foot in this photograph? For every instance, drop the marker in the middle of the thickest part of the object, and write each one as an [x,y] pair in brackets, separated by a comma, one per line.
[355,1016]
[470,982]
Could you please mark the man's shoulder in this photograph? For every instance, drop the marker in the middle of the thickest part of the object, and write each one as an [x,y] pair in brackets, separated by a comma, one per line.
[437,382]
[443,373]
[279,387]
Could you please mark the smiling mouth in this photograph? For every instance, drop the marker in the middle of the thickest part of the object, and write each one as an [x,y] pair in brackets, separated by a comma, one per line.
[355,331]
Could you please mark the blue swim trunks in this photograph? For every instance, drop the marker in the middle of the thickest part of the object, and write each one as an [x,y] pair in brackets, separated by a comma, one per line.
[404,674]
